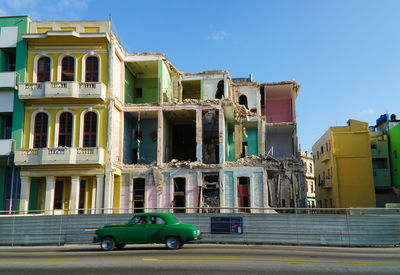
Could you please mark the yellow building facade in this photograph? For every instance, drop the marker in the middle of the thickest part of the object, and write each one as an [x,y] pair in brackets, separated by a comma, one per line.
[343,167]
[64,164]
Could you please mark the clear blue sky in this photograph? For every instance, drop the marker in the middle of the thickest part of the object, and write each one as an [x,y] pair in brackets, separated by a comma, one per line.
[344,54]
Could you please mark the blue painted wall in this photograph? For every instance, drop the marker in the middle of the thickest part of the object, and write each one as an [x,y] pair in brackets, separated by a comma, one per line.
[148,147]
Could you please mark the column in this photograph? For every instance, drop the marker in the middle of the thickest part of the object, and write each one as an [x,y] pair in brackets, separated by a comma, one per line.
[49,199]
[199,135]
[24,196]
[74,197]
[221,127]
[108,198]
[99,193]
[160,138]
[94,198]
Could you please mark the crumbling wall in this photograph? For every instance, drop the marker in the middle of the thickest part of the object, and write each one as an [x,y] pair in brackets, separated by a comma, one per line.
[286,183]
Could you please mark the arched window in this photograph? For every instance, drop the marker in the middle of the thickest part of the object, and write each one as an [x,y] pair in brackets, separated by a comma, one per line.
[220,90]
[40,132]
[90,129]
[243,100]
[65,130]
[43,70]
[68,69]
[92,69]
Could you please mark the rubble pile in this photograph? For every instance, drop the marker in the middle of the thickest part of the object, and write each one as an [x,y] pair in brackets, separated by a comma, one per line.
[246,161]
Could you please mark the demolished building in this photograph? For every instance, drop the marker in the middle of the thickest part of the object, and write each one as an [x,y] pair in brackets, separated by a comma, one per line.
[208,142]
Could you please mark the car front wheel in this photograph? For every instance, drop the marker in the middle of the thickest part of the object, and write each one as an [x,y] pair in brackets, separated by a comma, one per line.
[172,243]
[107,244]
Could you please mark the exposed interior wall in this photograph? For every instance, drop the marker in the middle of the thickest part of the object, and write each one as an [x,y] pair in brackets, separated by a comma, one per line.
[148,140]
[252,141]
[191,89]
[148,86]
[129,86]
[282,143]
[279,110]
[210,88]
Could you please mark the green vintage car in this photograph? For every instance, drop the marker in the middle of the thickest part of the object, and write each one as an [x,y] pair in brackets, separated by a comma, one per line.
[147,228]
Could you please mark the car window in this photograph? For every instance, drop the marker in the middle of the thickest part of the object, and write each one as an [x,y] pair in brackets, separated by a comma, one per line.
[139,220]
[157,220]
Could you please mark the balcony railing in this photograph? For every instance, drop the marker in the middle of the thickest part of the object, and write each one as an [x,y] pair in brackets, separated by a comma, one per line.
[59,155]
[8,79]
[65,89]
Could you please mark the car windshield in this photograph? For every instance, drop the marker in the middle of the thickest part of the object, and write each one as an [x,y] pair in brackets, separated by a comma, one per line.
[177,219]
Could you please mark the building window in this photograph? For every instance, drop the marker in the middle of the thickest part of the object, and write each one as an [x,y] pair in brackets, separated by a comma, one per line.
[43,71]
[373,146]
[40,131]
[243,193]
[65,130]
[243,101]
[92,69]
[68,69]
[90,130]
[322,150]
[311,168]
[138,193]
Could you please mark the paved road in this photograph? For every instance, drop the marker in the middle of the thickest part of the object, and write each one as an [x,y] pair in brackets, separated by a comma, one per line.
[199,259]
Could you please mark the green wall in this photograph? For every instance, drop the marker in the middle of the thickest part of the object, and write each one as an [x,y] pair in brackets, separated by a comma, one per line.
[395,154]
[22,22]
[252,141]
[231,144]
[149,89]
[33,194]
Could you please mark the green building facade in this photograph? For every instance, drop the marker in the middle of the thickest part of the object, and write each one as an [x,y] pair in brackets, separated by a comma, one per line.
[13,53]
[395,154]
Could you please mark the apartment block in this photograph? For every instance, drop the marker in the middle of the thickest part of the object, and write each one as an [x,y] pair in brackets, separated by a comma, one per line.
[343,167]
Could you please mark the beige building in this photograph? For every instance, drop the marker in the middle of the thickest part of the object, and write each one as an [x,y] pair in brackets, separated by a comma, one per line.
[308,163]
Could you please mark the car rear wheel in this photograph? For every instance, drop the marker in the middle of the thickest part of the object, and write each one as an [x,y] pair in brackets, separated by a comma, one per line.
[107,244]
[120,246]
[172,243]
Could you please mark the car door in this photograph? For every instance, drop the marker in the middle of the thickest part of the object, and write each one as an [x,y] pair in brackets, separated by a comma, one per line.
[156,225]
[136,231]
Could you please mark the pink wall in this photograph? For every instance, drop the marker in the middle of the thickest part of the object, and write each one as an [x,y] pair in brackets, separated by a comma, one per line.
[279,110]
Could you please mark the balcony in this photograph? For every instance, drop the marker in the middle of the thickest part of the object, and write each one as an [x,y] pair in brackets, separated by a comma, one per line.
[5,147]
[8,79]
[59,156]
[66,89]
[327,183]
[325,157]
